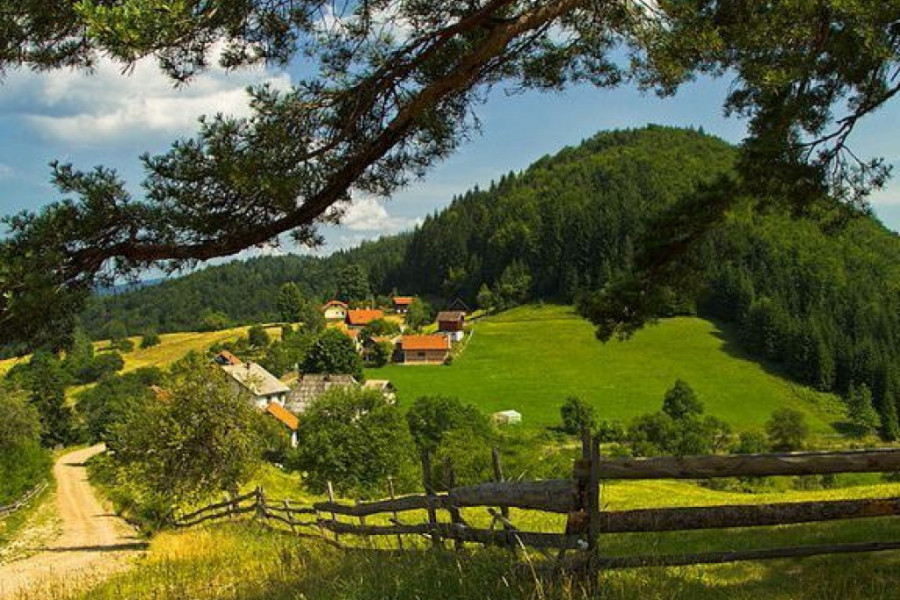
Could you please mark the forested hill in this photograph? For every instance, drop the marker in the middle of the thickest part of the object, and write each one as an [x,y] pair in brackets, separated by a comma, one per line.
[826,307]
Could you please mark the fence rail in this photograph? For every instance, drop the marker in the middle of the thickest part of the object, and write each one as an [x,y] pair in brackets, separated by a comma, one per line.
[579,499]
[5,511]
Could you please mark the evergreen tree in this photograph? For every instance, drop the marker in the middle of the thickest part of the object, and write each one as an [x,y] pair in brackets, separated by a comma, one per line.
[353,284]
[681,402]
[860,409]
[291,303]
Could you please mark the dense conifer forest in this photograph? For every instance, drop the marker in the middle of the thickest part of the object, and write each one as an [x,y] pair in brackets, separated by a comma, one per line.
[821,304]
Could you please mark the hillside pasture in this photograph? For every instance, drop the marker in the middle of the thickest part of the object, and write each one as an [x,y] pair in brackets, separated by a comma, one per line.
[531,358]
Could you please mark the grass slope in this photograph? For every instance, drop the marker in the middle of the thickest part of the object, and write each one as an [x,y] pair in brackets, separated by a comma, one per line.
[531,358]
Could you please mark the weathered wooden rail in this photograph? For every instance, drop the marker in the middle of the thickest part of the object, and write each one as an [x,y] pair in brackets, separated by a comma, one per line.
[5,511]
[579,499]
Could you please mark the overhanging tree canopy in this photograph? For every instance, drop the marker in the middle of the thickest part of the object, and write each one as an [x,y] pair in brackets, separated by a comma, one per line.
[396,90]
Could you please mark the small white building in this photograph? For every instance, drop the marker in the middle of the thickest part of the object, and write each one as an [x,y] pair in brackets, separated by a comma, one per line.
[264,387]
[335,310]
[507,417]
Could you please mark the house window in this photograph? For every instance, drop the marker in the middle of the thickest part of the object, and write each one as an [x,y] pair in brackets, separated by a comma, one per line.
[420,354]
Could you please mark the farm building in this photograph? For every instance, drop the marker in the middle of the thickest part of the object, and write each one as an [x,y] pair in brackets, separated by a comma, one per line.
[264,387]
[424,349]
[311,386]
[363,316]
[335,310]
[287,418]
[401,304]
[451,322]
[507,417]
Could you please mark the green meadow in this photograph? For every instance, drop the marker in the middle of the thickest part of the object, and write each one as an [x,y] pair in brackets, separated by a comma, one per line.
[531,358]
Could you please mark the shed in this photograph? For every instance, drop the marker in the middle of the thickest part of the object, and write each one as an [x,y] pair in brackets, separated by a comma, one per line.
[507,417]
[424,349]
[287,418]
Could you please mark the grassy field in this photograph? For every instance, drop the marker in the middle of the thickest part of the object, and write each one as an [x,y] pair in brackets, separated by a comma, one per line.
[172,346]
[531,358]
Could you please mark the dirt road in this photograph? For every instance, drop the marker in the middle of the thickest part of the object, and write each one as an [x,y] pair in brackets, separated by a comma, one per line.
[93,542]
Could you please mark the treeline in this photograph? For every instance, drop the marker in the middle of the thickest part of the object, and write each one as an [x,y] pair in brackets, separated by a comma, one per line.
[238,293]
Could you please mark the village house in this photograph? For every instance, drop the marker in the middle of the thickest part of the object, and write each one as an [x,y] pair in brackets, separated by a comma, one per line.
[335,310]
[451,323]
[401,304]
[287,418]
[311,386]
[264,387]
[363,316]
[226,358]
[424,349]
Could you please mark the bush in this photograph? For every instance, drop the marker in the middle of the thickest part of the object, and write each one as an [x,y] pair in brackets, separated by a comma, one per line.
[577,416]
[113,401]
[258,337]
[150,339]
[680,401]
[23,463]
[431,417]
[787,429]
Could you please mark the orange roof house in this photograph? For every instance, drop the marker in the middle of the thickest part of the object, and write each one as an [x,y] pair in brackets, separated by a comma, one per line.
[362,317]
[287,418]
[401,303]
[424,349]
[227,358]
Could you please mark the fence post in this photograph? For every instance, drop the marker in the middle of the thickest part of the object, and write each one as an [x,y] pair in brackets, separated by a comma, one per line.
[455,516]
[260,502]
[429,493]
[498,476]
[290,516]
[333,515]
[396,522]
[594,495]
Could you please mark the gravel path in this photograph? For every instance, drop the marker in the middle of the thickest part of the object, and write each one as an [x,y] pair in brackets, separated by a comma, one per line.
[93,542]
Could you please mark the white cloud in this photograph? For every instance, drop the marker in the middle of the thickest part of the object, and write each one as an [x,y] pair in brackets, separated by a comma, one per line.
[87,109]
[369,215]
[6,171]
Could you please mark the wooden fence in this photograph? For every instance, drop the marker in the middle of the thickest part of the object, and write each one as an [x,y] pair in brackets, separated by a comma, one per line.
[5,511]
[579,499]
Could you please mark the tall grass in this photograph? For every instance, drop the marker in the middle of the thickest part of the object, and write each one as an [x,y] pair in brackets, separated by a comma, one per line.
[249,562]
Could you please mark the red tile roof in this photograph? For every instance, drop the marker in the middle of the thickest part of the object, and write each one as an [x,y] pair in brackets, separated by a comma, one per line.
[227,358]
[289,419]
[363,316]
[403,300]
[424,342]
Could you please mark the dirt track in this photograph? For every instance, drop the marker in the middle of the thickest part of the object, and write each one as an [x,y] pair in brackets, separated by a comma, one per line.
[93,542]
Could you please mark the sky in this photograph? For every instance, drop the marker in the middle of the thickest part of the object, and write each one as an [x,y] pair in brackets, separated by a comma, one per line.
[110,118]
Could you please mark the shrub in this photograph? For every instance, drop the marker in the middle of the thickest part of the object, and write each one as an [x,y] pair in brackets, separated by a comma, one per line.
[680,401]
[787,429]
[258,337]
[577,416]
[150,339]
[431,417]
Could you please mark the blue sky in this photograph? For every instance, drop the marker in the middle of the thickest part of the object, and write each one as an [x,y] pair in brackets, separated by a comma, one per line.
[109,118]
